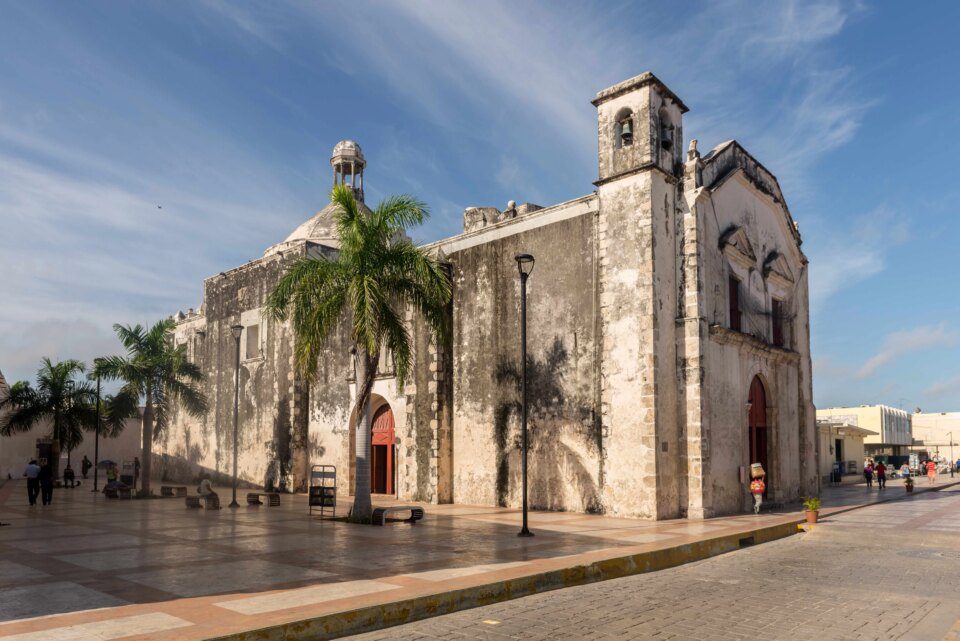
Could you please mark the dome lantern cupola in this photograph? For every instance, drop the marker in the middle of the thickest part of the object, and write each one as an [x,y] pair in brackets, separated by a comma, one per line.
[347,162]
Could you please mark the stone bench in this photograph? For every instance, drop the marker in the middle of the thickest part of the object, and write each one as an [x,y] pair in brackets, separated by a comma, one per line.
[209,502]
[168,491]
[273,498]
[380,514]
[118,493]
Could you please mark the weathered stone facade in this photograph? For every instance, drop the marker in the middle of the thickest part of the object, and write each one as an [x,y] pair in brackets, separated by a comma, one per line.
[640,379]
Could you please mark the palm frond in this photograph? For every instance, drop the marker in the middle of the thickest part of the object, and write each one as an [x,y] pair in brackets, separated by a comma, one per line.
[116,409]
[396,338]
[397,213]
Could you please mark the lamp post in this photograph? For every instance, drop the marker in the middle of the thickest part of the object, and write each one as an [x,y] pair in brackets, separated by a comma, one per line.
[96,442]
[237,331]
[953,462]
[525,266]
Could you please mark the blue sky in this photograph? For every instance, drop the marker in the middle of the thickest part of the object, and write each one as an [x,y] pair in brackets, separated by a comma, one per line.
[224,114]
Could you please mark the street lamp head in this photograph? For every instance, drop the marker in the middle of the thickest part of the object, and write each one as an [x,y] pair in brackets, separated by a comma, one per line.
[237,330]
[524,263]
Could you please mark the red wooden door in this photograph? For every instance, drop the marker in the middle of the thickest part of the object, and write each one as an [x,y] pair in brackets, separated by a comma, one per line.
[381,450]
[758,427]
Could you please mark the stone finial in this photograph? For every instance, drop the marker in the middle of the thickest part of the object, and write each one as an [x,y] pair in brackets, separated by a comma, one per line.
[692,153]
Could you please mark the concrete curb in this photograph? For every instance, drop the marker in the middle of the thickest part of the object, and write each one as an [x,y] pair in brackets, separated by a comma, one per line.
[384,615]
[413,609]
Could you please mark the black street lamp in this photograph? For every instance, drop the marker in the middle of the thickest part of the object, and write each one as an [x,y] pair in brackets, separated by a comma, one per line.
[953,462]
[237,331]
[525,265]
[96,442]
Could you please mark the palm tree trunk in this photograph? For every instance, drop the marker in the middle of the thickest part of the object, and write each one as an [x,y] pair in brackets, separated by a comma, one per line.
[146,455]
[366,372]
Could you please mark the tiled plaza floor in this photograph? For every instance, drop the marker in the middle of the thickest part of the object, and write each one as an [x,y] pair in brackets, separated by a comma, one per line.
[87,567]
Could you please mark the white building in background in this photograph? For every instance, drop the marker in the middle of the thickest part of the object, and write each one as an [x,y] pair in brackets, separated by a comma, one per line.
[893,432]
[935,432]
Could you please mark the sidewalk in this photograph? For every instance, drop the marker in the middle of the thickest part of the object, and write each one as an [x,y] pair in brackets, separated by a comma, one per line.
[87,567]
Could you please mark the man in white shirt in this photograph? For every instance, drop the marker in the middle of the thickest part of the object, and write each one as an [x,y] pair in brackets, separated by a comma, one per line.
[32,472]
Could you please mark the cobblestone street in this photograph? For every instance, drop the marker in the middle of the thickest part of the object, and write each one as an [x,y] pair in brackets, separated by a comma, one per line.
[890,571]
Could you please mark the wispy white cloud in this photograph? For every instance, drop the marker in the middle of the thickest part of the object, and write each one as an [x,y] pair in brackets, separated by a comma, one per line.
[945,388]
[899,344]
[81,236]
[842,257]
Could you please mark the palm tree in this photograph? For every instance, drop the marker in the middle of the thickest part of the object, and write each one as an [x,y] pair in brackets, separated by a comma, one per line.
[61,396]
[160,374]
[374,277]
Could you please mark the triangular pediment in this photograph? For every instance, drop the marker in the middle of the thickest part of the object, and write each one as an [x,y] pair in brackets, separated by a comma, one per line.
[735,244]
[775,267]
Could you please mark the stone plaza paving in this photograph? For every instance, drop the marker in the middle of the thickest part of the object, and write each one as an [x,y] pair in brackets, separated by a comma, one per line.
[884,572]
[91,568]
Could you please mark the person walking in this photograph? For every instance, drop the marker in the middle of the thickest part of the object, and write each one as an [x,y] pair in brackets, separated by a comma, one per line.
[868,474]
[932,472]
[905,470]
[757,488]
[881,471]
[46,483]
[32,472]
[85,466]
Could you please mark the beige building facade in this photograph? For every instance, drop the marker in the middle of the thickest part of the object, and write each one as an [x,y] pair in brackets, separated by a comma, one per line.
[841,446]
[935,432]
[668,345]
[892,427]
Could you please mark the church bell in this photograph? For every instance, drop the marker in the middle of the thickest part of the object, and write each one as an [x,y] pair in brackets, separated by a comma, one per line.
[626,133]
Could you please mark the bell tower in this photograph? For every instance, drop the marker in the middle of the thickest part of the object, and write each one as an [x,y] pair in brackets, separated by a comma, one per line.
[347,162]
[640,162]
[640,127]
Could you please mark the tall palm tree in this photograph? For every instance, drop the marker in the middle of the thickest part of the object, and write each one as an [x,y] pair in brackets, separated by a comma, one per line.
[61,396]
[160,374]
[376,275]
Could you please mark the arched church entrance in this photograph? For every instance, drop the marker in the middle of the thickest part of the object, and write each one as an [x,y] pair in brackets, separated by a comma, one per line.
[757,422]
[382,452]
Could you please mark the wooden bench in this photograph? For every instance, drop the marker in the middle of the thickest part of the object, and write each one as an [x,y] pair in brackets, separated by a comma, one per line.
[273,498]
[168,491]
[380,514]
[209,502]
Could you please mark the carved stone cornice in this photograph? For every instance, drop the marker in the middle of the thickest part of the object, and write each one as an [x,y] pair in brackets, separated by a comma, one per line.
[749,344]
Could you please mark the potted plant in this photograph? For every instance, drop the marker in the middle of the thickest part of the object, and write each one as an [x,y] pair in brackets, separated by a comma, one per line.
[908,484]
[812,507]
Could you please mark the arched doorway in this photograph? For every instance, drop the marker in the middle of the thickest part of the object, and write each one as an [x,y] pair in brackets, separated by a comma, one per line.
[758,428]
[382,451]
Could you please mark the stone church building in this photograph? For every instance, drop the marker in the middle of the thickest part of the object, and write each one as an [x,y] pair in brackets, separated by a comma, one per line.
[668,345]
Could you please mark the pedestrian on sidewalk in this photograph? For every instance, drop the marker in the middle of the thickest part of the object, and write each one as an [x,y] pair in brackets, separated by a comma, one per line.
[85,466]
[32,472]
[905,470]
[881,471]
[932,472]
[757,488]
[46,483]
[868,474]
[136,471]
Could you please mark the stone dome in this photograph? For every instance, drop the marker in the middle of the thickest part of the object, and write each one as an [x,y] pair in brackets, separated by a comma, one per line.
[347,149]
[320,229]
[348,164]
